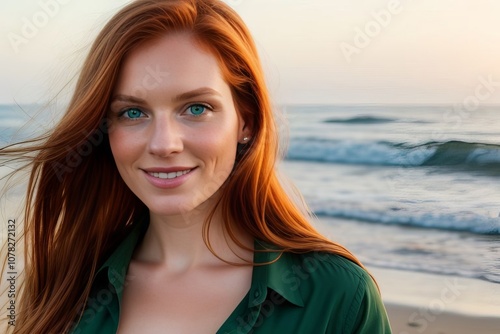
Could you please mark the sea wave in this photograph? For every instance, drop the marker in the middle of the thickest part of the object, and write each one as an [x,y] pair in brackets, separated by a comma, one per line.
[361,120]
[449,153]
[367,120]
[425,268]
[458,222]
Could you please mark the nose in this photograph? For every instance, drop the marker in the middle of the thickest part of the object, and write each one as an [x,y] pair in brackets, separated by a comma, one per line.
[165,137]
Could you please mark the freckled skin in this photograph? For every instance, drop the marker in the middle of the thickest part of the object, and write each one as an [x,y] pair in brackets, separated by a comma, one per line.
[179,286]
[168,132]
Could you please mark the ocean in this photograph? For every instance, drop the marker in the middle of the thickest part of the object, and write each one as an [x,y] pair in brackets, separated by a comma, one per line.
[408,187]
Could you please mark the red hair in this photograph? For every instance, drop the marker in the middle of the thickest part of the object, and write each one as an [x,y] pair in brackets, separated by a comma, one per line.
[74,215]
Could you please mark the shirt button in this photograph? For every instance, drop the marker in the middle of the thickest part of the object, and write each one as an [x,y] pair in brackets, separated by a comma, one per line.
[256,294]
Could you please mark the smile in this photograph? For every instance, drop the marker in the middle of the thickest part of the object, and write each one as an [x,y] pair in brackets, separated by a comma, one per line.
[171,175]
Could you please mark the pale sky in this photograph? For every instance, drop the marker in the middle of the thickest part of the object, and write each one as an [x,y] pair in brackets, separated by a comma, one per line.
[314,51]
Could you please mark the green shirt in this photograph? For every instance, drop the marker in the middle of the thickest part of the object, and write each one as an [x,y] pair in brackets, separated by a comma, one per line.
[310,293]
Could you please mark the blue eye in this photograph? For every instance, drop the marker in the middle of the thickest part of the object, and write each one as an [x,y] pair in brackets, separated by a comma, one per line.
[133,113]
[197,109]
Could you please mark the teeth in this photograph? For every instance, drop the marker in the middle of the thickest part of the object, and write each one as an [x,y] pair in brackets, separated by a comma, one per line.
[171,175]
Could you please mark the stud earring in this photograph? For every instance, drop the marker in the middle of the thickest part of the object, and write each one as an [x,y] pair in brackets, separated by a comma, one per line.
[245,139]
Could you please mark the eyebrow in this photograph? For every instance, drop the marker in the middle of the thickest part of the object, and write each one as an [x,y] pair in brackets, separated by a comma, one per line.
[195,93]
[181,97]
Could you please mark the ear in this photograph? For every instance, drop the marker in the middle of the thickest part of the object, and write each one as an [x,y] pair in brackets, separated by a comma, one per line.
[244,131]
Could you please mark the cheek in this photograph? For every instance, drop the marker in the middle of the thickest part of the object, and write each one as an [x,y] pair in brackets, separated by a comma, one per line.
[224,140]
[122,147]
[219,146]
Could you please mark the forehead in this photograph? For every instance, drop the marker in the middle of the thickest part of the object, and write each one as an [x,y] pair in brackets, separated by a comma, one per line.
[174,59]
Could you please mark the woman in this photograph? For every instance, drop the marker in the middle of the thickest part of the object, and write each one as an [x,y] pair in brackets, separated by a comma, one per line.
[154,205]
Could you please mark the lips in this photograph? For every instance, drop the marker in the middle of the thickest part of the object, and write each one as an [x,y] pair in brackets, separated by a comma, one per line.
[168,178]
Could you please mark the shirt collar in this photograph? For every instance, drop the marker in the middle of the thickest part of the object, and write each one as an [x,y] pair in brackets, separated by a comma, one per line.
[116,266]
[278,276]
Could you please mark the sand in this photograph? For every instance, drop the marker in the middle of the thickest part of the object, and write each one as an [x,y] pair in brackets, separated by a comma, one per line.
[411,320]
[435,304]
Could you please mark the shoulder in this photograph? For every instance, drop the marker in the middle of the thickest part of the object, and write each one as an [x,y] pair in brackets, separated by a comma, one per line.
[330,271]
[338,287]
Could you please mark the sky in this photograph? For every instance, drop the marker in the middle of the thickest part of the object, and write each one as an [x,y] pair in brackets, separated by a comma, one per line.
[313,51]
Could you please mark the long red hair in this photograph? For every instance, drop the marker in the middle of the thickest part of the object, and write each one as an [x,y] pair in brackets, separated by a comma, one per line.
[78,208]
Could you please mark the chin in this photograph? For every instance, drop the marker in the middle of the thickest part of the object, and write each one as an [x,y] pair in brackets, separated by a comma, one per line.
[179,208]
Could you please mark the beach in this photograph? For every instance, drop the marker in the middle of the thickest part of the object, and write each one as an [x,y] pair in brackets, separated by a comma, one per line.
[444,323]
[421,303]
[418,302]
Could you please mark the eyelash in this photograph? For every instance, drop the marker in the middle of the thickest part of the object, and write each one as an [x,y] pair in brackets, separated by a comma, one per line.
[121,114]
[206,106]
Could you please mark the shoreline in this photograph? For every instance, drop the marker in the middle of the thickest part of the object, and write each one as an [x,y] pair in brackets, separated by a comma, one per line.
[418,302]
[406,319]
[436,304]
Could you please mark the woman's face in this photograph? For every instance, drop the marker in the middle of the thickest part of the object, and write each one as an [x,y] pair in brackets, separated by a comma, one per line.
[174,128]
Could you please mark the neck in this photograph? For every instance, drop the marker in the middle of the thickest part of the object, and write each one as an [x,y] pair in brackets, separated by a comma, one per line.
[177,243]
